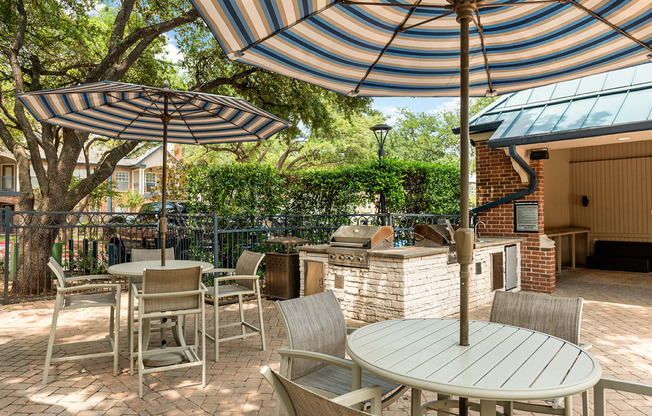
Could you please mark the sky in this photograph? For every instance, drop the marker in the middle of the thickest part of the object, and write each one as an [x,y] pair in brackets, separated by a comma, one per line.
[390,105]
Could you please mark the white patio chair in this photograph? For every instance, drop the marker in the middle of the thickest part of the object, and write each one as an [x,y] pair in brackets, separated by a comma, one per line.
[171,293]
[298,401]
[553,315]
[143,254]
[618,385]
[91,295]
[315,355]
[247,282]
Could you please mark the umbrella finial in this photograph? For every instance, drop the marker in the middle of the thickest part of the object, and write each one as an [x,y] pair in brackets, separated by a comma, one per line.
[166,84]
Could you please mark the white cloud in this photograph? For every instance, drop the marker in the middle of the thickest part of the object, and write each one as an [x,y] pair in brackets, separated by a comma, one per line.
[172,53]
[392,112]
[451,105]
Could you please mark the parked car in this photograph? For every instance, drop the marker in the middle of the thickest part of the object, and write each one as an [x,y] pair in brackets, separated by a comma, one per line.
[140,230]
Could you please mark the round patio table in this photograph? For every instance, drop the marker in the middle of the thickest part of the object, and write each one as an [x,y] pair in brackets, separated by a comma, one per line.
[136,269]
[502,362]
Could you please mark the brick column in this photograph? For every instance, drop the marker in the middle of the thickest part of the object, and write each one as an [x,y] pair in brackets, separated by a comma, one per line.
[496,178]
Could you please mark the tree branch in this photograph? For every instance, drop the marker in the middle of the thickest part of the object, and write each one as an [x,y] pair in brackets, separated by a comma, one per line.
[115,53]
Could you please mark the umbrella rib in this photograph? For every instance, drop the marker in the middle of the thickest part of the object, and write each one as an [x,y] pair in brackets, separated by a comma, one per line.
[290,26]
[396,32]
[230,122]
[478,24]
[519,3]
[608,23]
[399,5]
[133,120]
[426,21]
[140,112]
[184,119]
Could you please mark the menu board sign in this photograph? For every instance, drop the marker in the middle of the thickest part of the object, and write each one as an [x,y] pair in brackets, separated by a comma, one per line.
[526,217]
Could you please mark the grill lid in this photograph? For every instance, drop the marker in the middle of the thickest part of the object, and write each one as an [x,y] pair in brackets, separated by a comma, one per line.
[362,236]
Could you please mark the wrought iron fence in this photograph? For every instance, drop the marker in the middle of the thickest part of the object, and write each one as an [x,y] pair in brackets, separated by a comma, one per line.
[88,243]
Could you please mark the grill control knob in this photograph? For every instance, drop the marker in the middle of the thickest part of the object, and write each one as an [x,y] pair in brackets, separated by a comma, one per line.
[341,257]
[350,258]
[360,259]
[333,256]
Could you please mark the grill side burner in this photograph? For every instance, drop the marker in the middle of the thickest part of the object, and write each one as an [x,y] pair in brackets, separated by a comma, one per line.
[350,244]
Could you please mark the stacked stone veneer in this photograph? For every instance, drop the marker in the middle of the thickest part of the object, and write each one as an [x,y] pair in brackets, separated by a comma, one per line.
[392,288]
[495,178]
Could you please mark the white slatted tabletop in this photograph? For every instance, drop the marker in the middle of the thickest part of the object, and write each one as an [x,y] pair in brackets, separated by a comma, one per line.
[502,363]
[135,268]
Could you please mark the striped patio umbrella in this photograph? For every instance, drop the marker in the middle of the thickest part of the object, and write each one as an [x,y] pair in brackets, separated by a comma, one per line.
[433,48]
[136,112]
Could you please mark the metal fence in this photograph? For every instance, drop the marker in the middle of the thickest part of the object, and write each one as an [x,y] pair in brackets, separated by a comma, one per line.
[88,243]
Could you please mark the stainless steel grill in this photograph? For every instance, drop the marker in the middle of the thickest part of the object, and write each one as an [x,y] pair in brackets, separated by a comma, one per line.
[350,244]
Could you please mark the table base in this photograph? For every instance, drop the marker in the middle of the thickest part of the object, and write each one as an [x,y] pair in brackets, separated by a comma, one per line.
[164,359]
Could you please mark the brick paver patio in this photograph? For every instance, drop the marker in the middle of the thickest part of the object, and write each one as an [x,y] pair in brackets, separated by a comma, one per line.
[617,321]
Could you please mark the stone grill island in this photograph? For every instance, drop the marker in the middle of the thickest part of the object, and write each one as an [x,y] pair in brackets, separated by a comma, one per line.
[410,281]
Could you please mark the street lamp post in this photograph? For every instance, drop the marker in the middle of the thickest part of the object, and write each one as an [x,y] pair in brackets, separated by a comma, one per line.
[381,131]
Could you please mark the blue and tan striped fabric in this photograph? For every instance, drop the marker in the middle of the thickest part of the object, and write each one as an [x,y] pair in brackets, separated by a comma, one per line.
[133,112]
[335,43]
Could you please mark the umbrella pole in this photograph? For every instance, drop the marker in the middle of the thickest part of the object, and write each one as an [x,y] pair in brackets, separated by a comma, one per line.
[163,221]
[464,237]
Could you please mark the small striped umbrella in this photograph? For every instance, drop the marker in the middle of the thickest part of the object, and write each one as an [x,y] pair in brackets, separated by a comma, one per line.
[135,112]
[433,48]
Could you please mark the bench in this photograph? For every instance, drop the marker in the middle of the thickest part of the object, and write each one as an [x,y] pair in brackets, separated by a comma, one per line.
[621,255]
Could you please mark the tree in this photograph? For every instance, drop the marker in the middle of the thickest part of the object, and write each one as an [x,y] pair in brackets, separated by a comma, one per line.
[131,199]
[428,136]
[52,44]
[175,186]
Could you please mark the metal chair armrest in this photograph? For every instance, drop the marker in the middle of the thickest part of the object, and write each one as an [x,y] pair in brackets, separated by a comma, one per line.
[80,288]
[317,356]
[362,395]
[91,277]
[241,277]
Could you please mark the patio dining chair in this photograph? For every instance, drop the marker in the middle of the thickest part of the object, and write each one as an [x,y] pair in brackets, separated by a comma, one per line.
[166,294]
[241,281]
[298,401]
[91,295]
[553,315]
[315,355]
[143,254]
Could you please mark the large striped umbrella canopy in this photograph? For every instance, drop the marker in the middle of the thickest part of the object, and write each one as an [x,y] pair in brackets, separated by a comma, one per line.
[136,112]
[412,47]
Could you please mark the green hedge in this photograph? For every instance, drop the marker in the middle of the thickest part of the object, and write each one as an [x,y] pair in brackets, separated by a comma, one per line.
[251,189]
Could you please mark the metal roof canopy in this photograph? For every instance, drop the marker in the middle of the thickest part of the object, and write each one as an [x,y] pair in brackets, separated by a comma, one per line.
[611,103]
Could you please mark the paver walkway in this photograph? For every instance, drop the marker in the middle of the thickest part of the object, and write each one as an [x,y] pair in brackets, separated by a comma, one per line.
[617,321]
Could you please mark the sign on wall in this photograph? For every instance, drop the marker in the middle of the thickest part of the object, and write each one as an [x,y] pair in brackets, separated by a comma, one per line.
[526,217]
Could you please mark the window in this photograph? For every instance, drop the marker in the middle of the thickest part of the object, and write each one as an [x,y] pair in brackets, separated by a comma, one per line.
[80,173]
[150,181]
[121,181]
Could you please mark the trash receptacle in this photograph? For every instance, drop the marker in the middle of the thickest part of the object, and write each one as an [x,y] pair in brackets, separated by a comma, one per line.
[282,279]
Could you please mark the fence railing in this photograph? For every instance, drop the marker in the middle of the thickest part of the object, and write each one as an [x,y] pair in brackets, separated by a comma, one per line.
[88,243]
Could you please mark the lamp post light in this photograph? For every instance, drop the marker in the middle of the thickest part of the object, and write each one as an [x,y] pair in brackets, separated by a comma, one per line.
[381,131]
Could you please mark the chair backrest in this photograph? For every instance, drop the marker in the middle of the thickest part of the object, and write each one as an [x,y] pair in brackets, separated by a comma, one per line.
[58,272]
[145,254]
[313,323]
[171,281]
[247,265]
[553,315]
[301,402]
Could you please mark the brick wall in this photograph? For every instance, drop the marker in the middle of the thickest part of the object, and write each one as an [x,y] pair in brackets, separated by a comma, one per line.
[495,178]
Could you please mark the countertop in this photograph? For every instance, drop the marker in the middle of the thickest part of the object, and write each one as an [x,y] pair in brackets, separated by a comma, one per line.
[408,252]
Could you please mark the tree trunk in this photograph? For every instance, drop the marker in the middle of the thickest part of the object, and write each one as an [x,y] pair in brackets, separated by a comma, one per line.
[33,277]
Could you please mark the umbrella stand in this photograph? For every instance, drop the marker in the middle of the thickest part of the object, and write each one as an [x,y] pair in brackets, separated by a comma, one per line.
[163,220]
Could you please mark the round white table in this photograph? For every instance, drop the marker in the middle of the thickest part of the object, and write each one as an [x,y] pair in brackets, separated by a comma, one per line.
[135,269]
[502,363]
